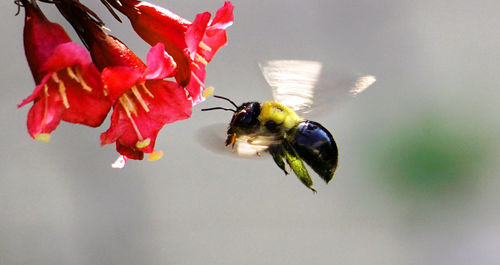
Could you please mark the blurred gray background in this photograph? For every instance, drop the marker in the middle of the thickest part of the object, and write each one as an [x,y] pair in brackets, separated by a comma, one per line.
[418,177]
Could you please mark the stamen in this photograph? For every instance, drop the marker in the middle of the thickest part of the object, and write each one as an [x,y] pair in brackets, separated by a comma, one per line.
[46,90]
[143,143]
[200,59]
[195,65]
[46,106]
[62,91]
[204,46]
[139,98]
[130,104]
[105,90]
[55,77]
[208,91]
[44,137]
[82,81]
[71,73]
[127,111]
[155,155]
[146,89]
[197,79]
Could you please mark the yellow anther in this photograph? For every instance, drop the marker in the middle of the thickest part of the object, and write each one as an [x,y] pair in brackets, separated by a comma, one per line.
[139,98]
[204,46]
[143,143]
[208,91]
[155,155]
[44,137]
[200,59]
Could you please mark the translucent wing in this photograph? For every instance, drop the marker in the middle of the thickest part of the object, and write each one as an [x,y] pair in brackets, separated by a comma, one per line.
[308,86]
[250,145]
[212,137]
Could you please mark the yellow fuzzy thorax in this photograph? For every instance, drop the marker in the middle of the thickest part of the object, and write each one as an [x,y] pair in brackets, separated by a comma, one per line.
[280,114]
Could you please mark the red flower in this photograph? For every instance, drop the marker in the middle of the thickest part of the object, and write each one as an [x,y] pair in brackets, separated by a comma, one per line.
[142,101]
[192,45]
[147,103]
[68,87]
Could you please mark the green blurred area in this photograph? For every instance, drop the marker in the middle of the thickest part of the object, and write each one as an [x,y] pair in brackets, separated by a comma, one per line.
[429,157]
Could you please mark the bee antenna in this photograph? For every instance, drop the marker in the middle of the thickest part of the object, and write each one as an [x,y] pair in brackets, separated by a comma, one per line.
[218,108]
[230,101]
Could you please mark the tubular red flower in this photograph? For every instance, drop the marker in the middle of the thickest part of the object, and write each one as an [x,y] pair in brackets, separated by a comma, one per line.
[141,112]
[67,81]
[192,45]
[145,106]
[142,101]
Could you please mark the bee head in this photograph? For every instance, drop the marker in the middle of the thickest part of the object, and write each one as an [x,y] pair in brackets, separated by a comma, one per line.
[244,121]
[246,117]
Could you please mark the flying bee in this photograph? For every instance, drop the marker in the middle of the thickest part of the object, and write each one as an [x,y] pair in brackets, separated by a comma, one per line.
[276,127]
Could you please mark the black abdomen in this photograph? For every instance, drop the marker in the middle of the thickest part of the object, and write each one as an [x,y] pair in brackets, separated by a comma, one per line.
[316,146]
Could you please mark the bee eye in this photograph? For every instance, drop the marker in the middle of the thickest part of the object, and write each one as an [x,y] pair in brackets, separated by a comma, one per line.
[247,116]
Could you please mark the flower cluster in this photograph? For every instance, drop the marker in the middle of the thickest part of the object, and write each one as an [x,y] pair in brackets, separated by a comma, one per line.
[82,85]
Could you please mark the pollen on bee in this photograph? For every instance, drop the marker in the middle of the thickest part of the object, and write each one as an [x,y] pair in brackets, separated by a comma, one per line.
[44,137]
[143,143]
[155,155]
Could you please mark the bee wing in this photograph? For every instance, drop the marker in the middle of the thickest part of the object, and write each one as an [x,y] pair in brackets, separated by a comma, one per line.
[308,86]
[249,146]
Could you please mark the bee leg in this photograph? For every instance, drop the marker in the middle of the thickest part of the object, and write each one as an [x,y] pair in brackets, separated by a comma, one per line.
[277,153]
[298,167]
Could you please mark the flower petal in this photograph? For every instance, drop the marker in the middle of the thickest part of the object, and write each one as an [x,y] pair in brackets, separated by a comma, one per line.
[224,17]
[84,107]
[131,124]
[196,85]
[45,115]
[40,37]
[215,36]
[35,93]
[119,79]
[195,32]
[159,64]
[67,54]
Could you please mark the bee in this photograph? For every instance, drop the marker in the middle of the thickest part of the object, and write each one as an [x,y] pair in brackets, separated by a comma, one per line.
[276,127]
